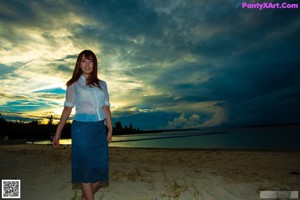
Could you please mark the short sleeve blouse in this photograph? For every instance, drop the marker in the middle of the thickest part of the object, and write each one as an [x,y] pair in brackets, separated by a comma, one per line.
[88,101]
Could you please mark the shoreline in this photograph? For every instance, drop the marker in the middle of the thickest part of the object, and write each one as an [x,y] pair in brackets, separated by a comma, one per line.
[142,173]
[25,142]
[21,142]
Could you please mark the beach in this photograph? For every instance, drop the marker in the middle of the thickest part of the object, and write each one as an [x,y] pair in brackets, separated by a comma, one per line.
[154,174]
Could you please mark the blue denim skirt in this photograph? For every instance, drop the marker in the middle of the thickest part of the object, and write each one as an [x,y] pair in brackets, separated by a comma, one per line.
[89,152]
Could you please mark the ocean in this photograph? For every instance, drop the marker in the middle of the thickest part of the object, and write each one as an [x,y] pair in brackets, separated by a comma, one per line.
[247,138]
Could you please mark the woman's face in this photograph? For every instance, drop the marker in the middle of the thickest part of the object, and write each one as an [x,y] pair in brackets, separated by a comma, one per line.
[86,65]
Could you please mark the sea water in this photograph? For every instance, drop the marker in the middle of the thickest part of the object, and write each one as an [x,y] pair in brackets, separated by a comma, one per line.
[250,138]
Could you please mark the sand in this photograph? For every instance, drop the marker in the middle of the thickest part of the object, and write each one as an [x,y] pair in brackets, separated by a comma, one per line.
[154,174]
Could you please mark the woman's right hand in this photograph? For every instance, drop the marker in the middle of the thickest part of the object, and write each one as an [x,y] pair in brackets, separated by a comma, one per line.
[64,117]
[55,141]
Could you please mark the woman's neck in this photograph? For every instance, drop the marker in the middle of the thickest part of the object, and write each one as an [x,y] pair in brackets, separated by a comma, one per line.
[86,76]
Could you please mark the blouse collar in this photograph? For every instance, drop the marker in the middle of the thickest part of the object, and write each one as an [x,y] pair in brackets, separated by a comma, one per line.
[82,79]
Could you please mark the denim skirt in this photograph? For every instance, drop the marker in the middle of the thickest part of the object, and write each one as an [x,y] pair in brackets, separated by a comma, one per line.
[89,152]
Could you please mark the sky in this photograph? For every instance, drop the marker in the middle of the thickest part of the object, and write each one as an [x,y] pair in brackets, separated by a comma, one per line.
[167,63]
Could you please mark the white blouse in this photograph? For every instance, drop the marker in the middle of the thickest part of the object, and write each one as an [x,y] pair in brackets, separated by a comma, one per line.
[88,101]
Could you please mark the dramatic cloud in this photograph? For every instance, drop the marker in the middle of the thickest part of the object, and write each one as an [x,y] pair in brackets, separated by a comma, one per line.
[168,64]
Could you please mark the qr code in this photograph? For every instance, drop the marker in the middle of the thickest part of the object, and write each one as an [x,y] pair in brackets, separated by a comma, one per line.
[11,189]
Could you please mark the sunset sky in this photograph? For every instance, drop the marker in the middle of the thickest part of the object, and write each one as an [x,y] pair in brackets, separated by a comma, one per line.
[167,63]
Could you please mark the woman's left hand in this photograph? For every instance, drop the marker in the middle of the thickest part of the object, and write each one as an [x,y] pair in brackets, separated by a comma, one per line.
[109,136]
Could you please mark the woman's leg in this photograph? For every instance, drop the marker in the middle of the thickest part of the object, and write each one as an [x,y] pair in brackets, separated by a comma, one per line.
[87,191]
[96,186]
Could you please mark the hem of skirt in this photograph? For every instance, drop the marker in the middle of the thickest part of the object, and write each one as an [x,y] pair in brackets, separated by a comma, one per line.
[92,181]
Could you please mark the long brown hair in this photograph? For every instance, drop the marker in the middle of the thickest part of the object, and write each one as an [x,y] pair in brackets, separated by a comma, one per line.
[93,78]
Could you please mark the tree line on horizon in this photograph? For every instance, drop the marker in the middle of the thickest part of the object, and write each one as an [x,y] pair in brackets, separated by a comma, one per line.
[34,130]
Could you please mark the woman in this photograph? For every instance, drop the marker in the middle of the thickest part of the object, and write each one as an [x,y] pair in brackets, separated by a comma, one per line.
[90,137]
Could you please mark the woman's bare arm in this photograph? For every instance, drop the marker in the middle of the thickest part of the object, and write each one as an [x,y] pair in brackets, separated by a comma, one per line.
[64,117]
[108,123]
